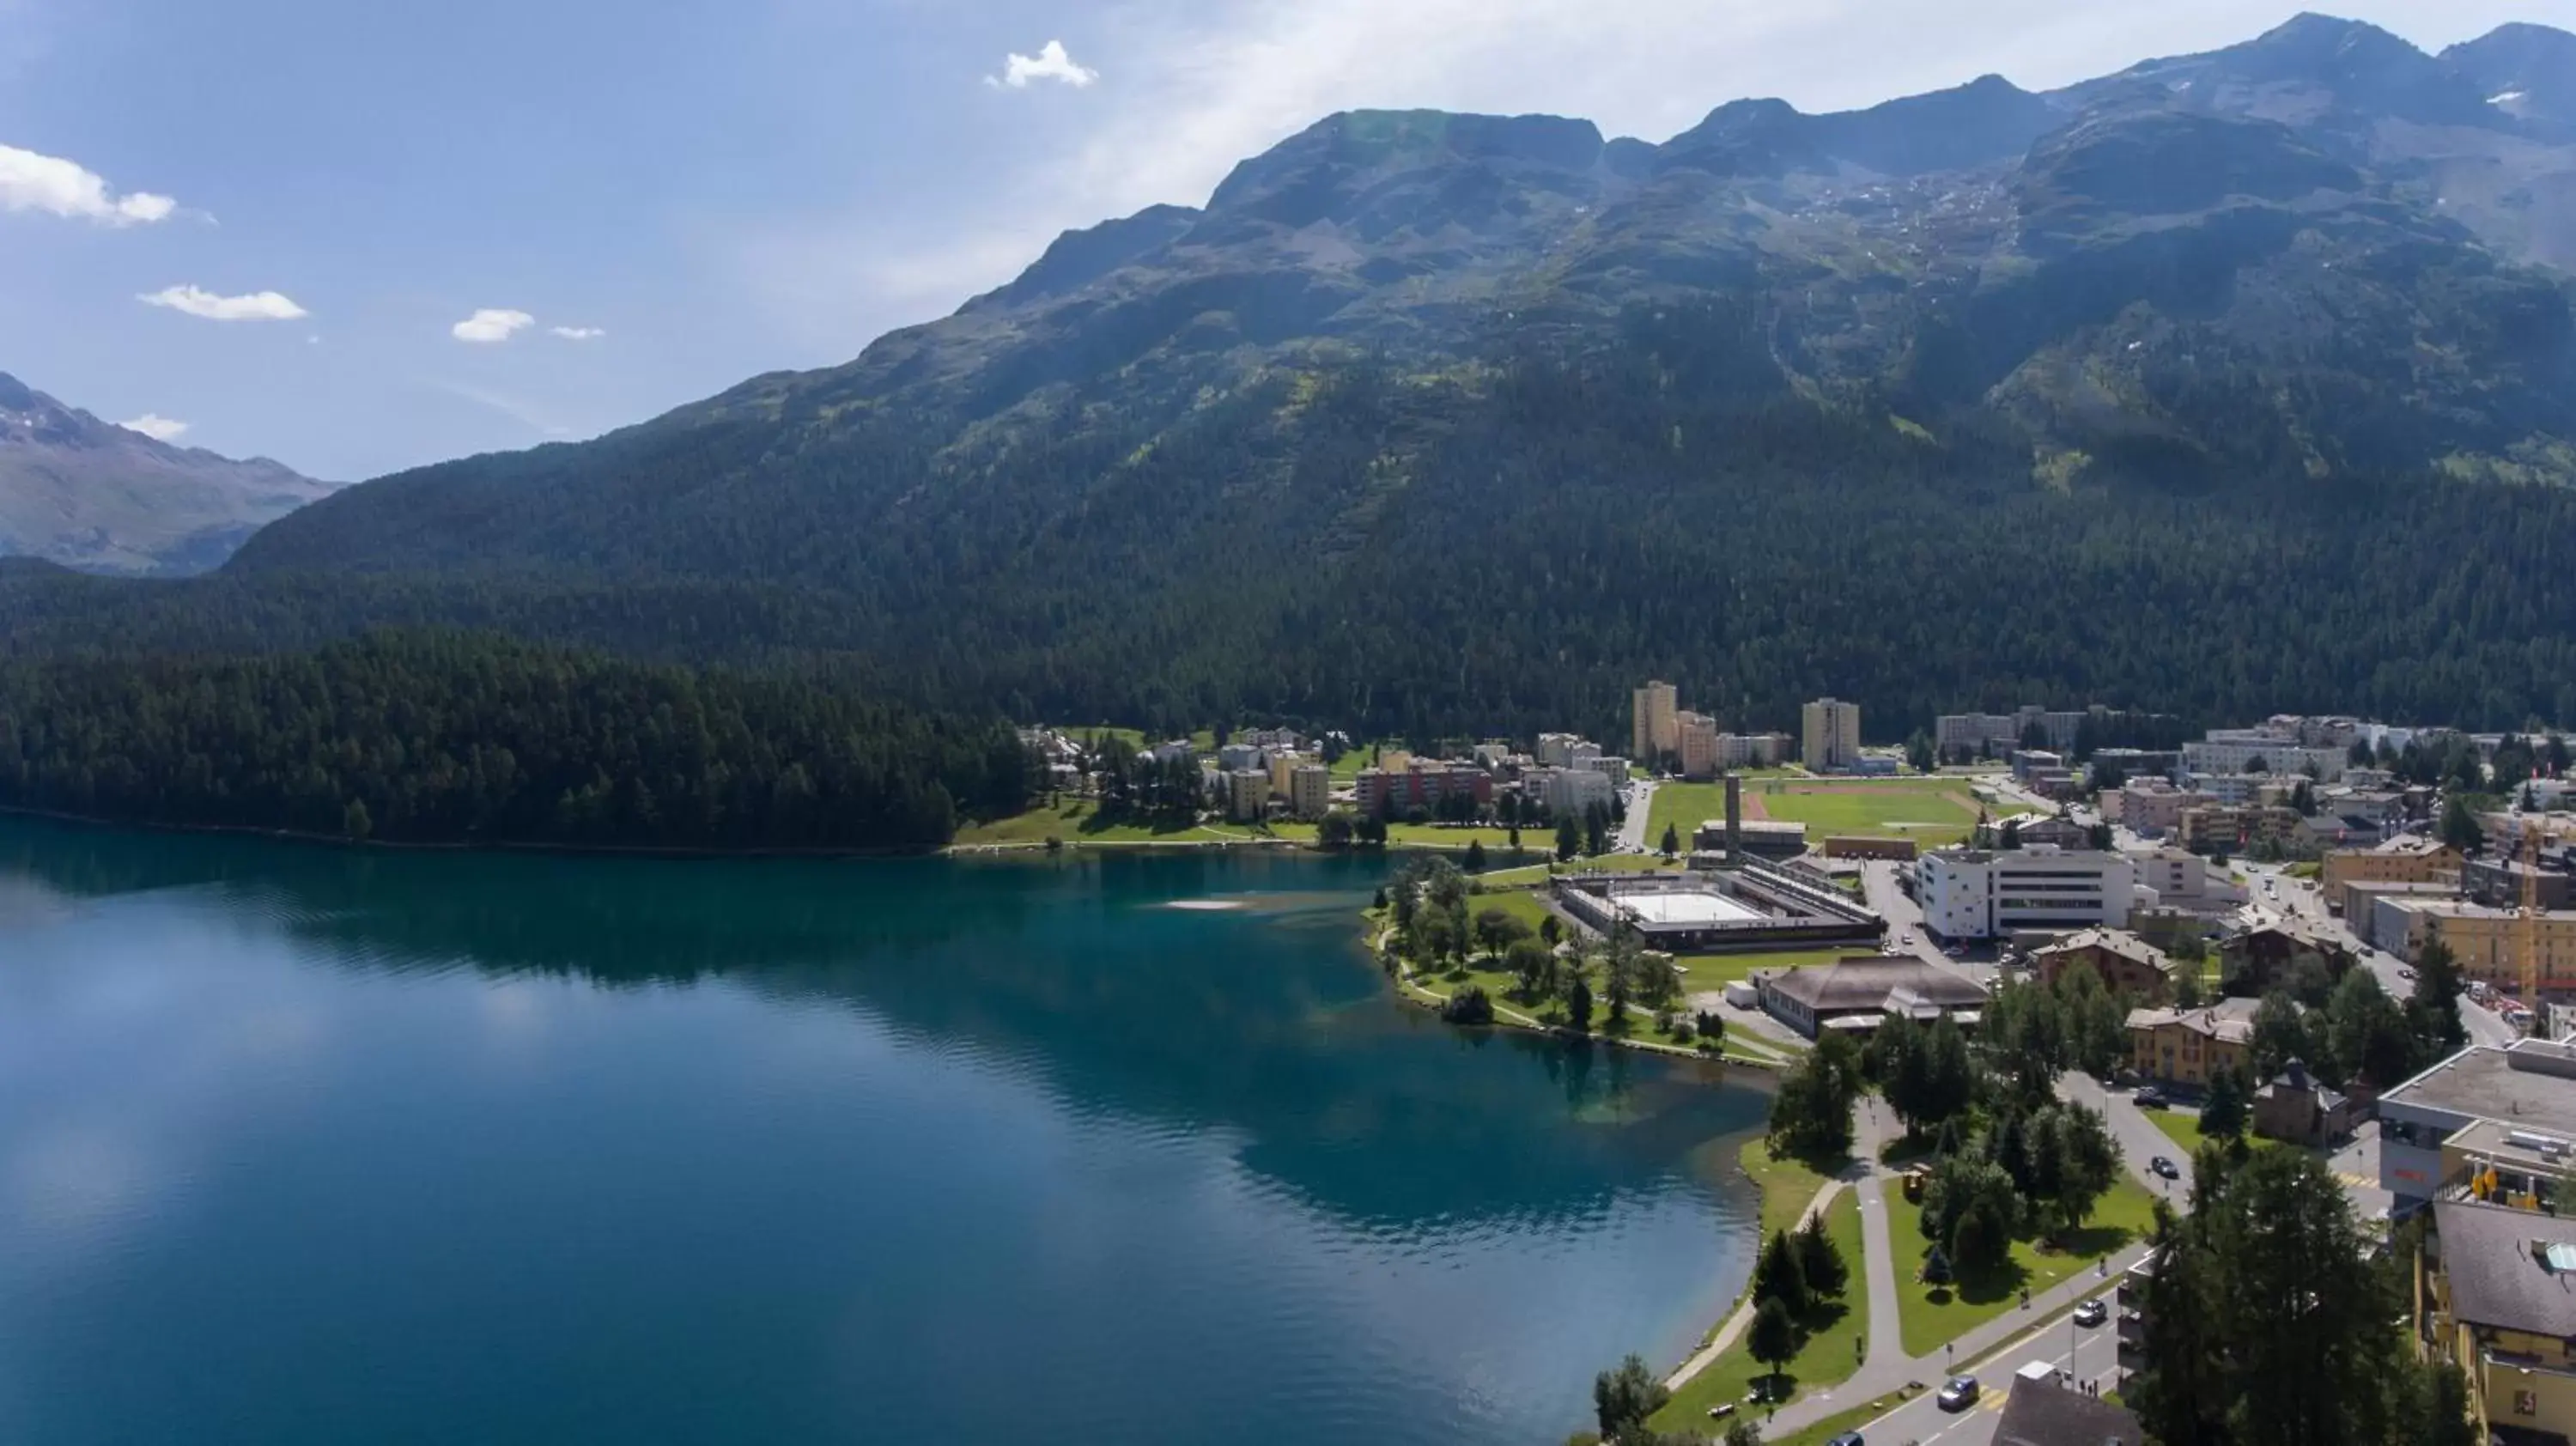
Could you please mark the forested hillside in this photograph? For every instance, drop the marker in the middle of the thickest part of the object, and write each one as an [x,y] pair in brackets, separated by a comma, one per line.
[450,738]
[2211,388]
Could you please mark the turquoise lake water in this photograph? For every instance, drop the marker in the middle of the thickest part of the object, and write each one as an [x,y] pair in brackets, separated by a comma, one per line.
[307,1146]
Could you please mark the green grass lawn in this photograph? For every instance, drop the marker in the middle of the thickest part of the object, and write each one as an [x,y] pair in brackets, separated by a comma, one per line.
[1706,973]
[1077,822]
[1835,1330]
[2183,1128]
[1606,864]
[1944,805]
[1929,1315]
[1521,904]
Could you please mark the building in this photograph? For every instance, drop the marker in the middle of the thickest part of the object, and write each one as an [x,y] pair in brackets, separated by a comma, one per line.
[2041,1412]
[1752,750]
[2181,879]
[2362,914]
[1859,994]
[2220,829]
[1859,846]
[1233,757]
[2498,1288]
[1983,893]
[2151,807]
[2145,764]
[2428,1125]
[1310,791]
[1696,742]
[1381,792]
[1832,736]
[2028,830]
[1247,794]
[1610,766]
[2296,1108]
[1177,750]
[1568,792]
[1762,838]
[2500,882]
[2253,750]
[2487,941]
[1751,906]
[2398,861]
[1656,733]
[2253,962]
[1962,737]
[2187,1046]
[2137,1283]
[1554,749]
[2125,962]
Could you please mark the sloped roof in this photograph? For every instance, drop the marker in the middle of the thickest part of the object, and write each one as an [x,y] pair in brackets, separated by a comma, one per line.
[2232,1026]
[1867,982]
[2492,1257]
[2110,941]
[2040,1414]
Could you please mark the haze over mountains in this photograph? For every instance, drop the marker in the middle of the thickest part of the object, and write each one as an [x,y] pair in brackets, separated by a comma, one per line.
[91,495]
[1418,401]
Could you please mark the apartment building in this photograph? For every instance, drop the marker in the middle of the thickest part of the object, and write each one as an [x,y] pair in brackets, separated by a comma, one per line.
[1568,792]
[1247,794]
[2234,750]
[2216,828]
[2486,940]
[2122,960]
[2188,1046]
[2151,807]
[1752,750]
[1566,750]
[1978,734]
[1310,791]
[1656,732]
[1832,735]
[1379,792]
[1697,744]
[2181,879]
[1985,893]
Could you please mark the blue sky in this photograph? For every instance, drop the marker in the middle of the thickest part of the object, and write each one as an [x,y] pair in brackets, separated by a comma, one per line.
[725,187]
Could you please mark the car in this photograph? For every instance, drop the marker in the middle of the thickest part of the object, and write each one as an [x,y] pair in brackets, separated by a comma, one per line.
[2164,1167]
[2149,1098]
[1957,1393]
[2405,973]
[1848,1438]
[2092,1313]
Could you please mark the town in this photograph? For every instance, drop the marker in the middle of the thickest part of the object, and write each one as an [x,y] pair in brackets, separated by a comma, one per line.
[2312,939]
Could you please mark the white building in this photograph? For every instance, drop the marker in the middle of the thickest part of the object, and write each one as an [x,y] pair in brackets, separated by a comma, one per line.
[2234,750]
[1235,757]
[1568,792]
[2000,733]
[1832,735]
[1982,893]
[1752,750]
[2185,880]
[1609,766]
[1566,750]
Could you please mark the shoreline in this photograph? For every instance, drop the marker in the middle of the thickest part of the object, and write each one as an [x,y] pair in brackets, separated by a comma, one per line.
[504,846]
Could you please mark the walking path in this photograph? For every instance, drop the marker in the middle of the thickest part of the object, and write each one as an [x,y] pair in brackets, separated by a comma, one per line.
[1737,1323]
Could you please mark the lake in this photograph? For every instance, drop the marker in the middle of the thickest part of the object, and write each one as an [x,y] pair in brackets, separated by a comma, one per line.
[309,1146]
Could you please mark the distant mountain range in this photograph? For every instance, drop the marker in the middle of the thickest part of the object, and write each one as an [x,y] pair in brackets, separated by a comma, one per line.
[1440,421]
[102,498]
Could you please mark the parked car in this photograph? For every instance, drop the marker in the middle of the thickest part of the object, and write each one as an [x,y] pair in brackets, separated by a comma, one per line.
[1848,1438]
[2164,1167]
[2092,1313]
[2149,1098]
[1957,1394]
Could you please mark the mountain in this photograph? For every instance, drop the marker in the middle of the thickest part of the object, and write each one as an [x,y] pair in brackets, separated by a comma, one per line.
[2228,383]
[102,498]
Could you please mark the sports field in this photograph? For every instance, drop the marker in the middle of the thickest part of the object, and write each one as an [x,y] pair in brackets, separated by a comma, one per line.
[1931,811]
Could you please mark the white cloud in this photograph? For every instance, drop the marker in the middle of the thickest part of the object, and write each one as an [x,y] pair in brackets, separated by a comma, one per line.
[491,324]
[196,301]
[159,428]
[1050,63]
[32,182]
[577,333]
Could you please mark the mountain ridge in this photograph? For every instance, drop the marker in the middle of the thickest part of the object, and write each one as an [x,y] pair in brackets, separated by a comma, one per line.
[90,494]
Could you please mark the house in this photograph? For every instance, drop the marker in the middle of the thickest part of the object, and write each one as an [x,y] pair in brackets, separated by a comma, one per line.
[1858,994]
[2499,1293]
[2297,1108]
[2126,963]
[2256,961]
[2188,1046]
[2040,1412]
[2027,830]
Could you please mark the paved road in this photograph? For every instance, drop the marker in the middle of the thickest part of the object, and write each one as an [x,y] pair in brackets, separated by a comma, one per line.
[2140,1141]
[2306,899]
[1632,829]
[2091,1353]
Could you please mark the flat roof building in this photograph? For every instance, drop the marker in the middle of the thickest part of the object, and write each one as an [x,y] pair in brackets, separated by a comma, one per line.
[2527,1086]
[1984,893]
